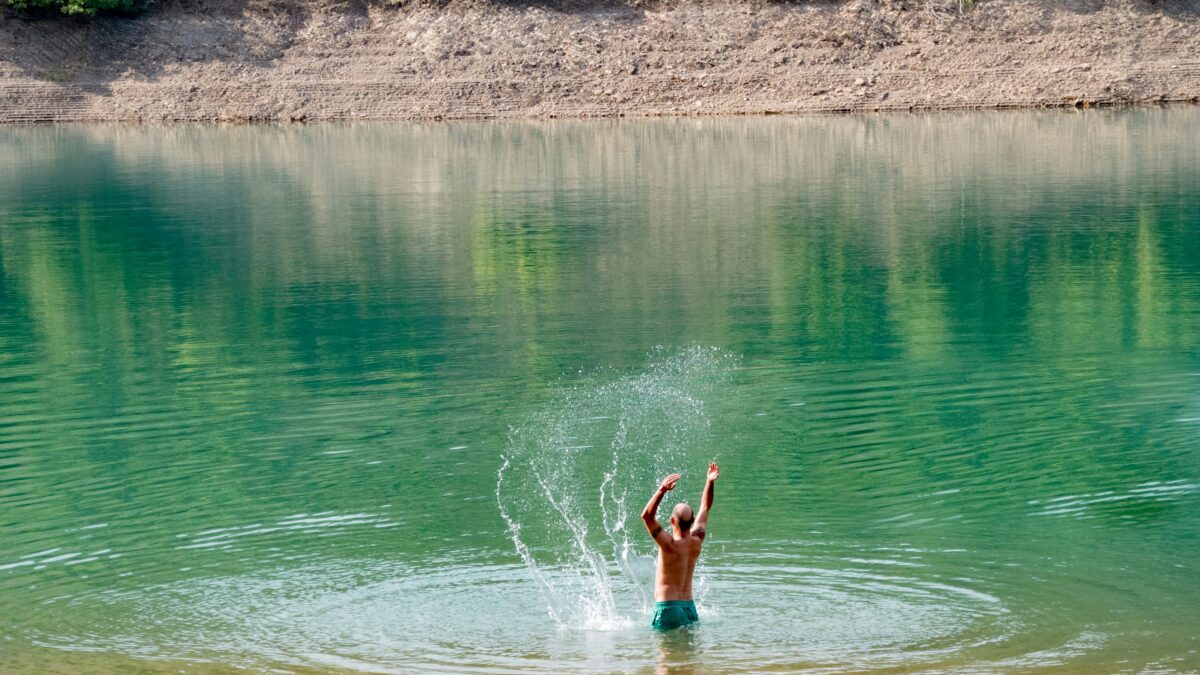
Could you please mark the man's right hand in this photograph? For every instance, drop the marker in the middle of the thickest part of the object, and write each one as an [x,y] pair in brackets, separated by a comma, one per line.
[669,482]
[713,471]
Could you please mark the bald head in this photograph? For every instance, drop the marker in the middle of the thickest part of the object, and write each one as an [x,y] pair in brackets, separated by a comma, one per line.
[681,517]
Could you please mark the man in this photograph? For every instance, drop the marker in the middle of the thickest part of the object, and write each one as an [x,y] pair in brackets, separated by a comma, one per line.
[677,552]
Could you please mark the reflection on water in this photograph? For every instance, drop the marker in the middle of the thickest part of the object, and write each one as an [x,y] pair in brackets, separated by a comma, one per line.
[676,652]
[256,384]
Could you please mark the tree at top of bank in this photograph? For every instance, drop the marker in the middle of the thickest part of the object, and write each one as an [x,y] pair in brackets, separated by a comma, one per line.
[75,7]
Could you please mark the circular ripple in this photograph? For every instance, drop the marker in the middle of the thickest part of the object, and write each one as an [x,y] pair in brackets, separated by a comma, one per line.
[851,617]
[776,612]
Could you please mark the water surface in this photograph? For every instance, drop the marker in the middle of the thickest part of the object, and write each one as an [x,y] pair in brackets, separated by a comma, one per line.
[390,397]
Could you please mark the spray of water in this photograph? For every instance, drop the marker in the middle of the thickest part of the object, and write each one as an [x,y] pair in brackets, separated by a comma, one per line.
[573,474]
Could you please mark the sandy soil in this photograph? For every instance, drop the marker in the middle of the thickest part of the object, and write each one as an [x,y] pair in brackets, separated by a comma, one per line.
[321,60]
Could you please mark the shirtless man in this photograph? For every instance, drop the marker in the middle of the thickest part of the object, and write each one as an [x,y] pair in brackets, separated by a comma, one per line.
[677,552]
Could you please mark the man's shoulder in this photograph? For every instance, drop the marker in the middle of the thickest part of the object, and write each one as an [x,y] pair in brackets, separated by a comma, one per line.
[681,545]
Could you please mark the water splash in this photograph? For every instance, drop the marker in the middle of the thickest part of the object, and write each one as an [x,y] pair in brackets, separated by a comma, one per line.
[569,471]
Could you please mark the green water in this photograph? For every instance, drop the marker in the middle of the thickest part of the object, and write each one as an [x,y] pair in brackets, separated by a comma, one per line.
[258,385]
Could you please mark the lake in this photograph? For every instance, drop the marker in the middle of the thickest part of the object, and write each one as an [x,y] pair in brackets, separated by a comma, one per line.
[389,398]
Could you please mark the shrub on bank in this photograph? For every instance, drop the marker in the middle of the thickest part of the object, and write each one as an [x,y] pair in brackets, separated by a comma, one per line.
[84,7]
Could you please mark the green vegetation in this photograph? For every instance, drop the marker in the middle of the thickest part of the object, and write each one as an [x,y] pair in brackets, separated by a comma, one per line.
[76,7]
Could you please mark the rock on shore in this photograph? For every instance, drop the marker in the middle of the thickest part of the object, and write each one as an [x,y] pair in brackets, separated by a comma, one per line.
[294,60]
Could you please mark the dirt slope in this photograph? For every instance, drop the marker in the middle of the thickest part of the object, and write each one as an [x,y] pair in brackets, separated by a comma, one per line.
[470,59]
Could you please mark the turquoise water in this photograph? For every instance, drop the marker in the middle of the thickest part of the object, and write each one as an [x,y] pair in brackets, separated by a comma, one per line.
[389,398]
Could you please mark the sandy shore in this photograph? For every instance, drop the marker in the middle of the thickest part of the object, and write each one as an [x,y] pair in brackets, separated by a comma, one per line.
[198,61]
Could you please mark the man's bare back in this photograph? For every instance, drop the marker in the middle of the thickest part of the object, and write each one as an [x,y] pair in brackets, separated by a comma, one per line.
[677,551]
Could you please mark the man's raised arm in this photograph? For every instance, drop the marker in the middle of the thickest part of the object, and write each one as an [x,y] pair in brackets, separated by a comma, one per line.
[706,500]
[649,513]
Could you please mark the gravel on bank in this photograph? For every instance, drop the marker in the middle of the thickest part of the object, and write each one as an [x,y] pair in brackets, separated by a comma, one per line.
[292,60]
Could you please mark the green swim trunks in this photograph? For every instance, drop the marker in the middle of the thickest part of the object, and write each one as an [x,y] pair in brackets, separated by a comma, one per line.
[673,614]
